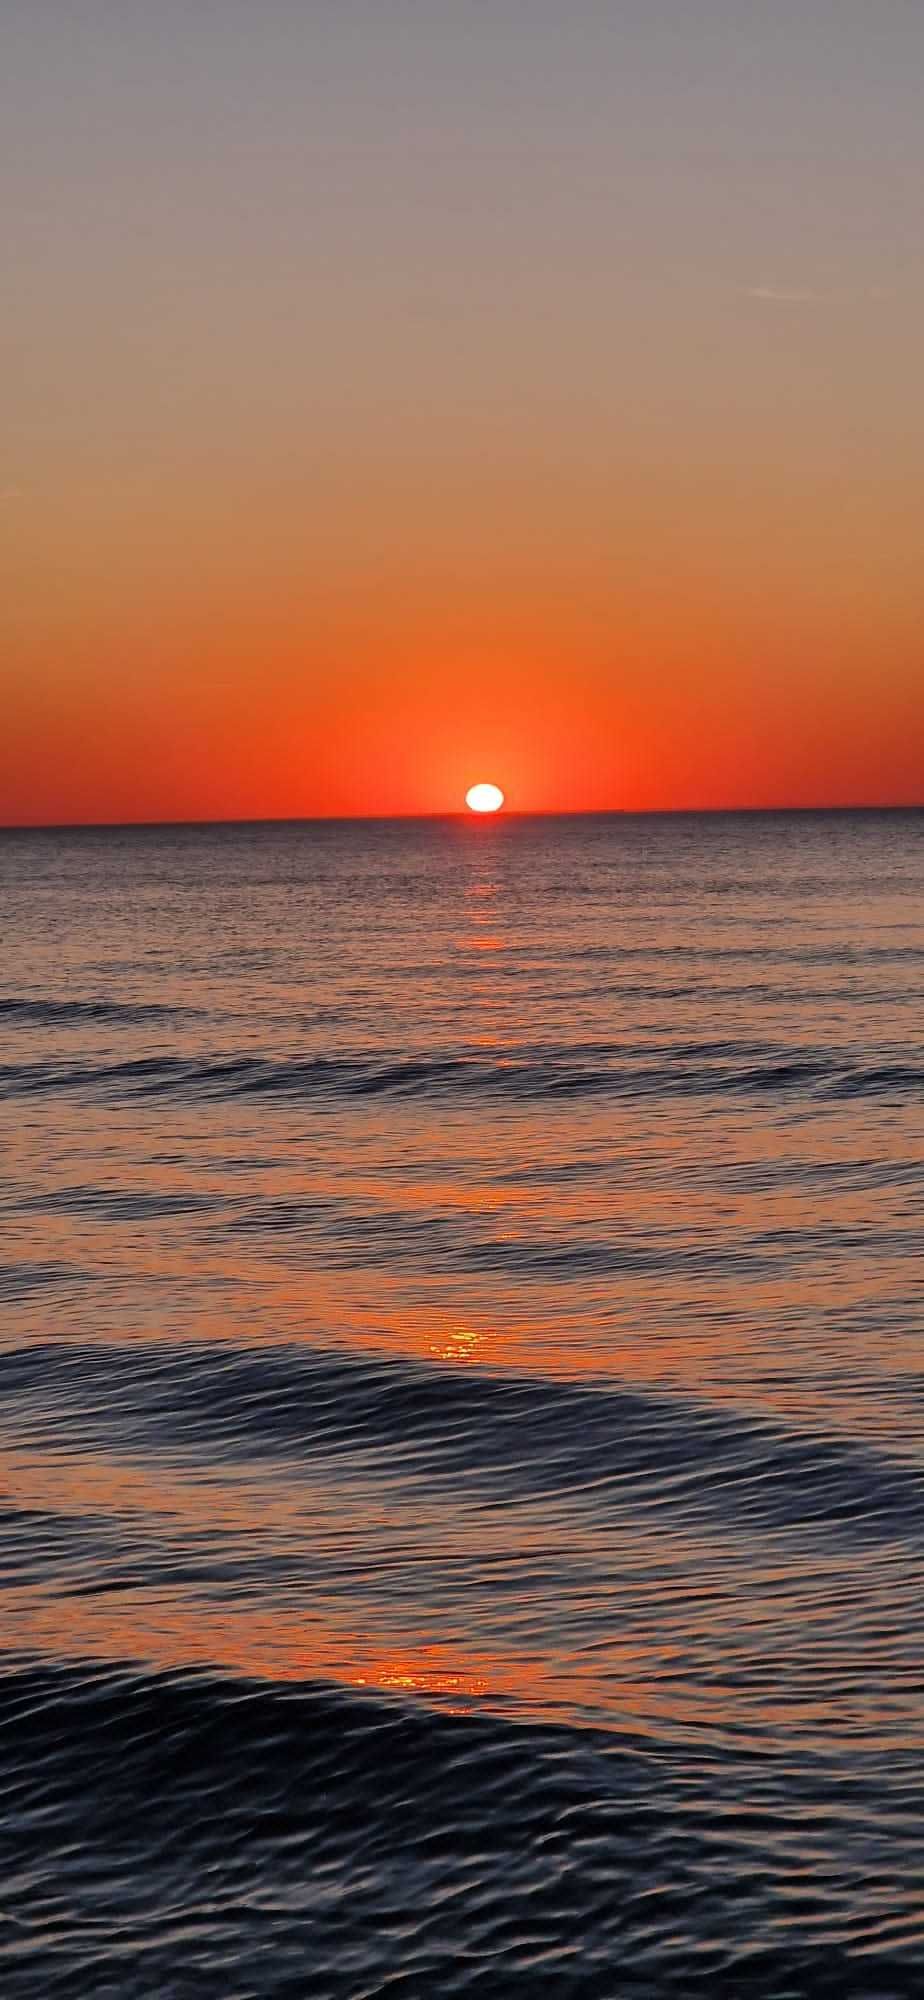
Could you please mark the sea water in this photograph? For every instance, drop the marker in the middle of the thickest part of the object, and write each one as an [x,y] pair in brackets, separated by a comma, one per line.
[462,1372]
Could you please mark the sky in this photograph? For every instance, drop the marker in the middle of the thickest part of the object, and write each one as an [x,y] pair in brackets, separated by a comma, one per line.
[400,393]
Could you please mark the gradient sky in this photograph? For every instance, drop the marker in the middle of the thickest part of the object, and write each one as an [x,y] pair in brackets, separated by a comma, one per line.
[401,394]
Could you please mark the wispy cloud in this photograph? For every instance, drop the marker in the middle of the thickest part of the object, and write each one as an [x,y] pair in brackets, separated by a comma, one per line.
[795,295]
[788,294]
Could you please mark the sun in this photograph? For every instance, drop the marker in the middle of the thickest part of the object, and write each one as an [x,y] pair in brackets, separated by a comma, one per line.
[484,798]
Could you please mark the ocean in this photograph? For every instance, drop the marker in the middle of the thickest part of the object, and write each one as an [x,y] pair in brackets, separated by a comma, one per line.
[462,1295]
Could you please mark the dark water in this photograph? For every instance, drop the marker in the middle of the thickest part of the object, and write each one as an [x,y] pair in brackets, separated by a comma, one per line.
[462,1385]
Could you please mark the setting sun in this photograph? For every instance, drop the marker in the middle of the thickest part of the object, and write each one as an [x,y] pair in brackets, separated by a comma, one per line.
[484,798]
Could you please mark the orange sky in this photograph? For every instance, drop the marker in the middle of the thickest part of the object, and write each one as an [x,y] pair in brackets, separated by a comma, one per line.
[392,408]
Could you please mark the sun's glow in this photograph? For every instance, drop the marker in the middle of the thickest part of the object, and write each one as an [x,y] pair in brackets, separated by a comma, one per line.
[484,798]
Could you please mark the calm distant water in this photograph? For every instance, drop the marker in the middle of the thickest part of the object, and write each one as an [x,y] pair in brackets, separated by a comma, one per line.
[462,1371]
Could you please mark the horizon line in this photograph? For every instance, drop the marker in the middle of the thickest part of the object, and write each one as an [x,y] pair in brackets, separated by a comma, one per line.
[453,813]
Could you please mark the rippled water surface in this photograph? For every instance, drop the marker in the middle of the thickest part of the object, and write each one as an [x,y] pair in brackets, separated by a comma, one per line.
[462,1382]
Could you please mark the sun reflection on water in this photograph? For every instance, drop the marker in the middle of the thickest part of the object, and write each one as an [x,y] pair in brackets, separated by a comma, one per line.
[460,1343]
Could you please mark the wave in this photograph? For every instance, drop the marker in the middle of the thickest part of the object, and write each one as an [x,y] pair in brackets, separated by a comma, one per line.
[717,953]
[112,1204]
[22,1279]
[620,1070]
[495,1437]
[353,1845]
[339,1235]
[60,1013]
